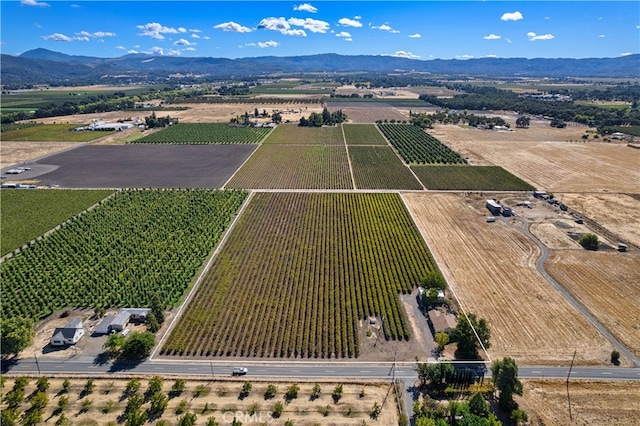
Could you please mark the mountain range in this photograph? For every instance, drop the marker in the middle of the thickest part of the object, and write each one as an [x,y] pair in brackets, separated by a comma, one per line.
[42,66]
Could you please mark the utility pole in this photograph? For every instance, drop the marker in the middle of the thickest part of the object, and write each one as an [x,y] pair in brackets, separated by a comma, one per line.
[37,365]
[568,376]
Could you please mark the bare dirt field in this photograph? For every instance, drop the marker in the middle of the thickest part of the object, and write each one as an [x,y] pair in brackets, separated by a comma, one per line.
[221,399]
[19,152]
[491,268]
[592,402]
[619,213]
[549,158]
[607,284]
[369,114]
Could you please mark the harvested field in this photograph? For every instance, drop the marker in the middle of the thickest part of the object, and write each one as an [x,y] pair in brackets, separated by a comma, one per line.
[219,399]
[294,167]
[19,152]
[378,167]
[491,268]
[146,166]
[294,134]
[544,157]
[370,113]
[607,284]
[298,272]
[593,402]
[51,133]
[363,134]
[618,213]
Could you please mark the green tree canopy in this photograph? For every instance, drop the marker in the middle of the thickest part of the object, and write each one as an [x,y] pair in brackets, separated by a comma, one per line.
[505,377]
[434,279]
[138,345]
[589,241]
[16,335]
[466,338]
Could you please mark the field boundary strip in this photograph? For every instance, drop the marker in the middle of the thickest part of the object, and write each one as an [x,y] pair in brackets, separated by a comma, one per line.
[198,281]
[346,146]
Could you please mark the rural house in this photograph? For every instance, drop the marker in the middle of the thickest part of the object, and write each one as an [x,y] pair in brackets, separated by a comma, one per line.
[70,334]
[442,321]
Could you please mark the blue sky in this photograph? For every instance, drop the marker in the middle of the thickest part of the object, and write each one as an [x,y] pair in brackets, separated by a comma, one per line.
[235,29]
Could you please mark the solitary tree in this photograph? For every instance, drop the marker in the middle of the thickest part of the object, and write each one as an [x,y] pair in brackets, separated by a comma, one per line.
[434,279]
[138,345]
[505,377]
[16,334]
[478,405]
[465,336]
[589,241]
[522,121]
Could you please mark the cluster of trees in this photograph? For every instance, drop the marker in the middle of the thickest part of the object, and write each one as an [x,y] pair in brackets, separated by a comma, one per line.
[470,334]
[432,284]
[491,98]
[325,118]
[153,121]
[426,121]
[16,334]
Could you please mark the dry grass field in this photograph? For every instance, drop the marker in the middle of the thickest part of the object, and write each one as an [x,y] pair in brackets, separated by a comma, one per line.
[491,269]
[618,213]
[544,157]
[221,400]
[592,402]
[369,114]
[606,283]
[17,152]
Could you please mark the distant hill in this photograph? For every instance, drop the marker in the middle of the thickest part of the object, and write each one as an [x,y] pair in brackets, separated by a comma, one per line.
[44,66]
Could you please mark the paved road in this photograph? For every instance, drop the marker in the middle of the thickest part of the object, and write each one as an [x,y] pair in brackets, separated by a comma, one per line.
[572,300]
[348,370]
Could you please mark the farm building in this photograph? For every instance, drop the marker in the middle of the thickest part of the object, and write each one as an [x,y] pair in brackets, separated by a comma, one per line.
[118,322]
[70,334]
[103,326]
[507,212]
[137,314]
[494,207]
[441,321]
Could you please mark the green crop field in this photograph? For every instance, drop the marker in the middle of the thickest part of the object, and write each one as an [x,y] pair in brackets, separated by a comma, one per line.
[297,273]
[418,147]
[27,214]
[205,133]
[294,134]
[470,178]
[294,167]
[378,167]
[51,133]
[135,244]
[363,134]
[32,99]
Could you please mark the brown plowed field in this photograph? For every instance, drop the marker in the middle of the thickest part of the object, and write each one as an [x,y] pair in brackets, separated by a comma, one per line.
[369,114]
[592,402]
[607,284]
[18,152]
[544,157]
[618,213]
[491,269]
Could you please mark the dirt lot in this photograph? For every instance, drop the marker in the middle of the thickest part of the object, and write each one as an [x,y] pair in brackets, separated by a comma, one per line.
[18,152]
[618,213]
[222,401]
[606,283]
[548,158]
[592,402]
[372,113]
[491,269]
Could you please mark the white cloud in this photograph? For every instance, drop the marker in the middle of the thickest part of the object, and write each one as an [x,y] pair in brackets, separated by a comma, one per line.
[183,42]
[533,36]
[601,36]
[511,16]
[385,27]
[416,35]
[345,35]
[206,38]
[403,54]
[626,54]
[85,34]
[270,43]
[491,56]
[155,30]
[121,48]
[34,3]
[194,30]
[305,7]
[492,37]
[281,25]
[464,56]
[57,37]
[508,40]
[195,36]
[162,52]
[190,49]
[132,51]
[313,25]
[232,27]
[346,22]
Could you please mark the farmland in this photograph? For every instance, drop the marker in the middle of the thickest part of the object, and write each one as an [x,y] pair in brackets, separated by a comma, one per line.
[50,133]
[362,134]
[205,133]
[416,146]
[297,273]
[469,178]
[294,167]
[135,244]
[606,283]
[219,399]
[593,402]
[28,214]
[294,134]
[491,268]
[378,167]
